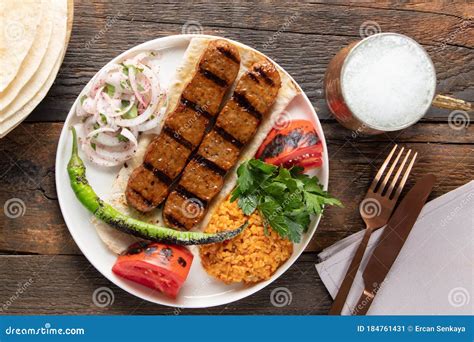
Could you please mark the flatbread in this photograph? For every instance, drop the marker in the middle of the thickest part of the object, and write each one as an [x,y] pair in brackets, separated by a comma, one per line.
[118,241]
[33,58]
[11,123]
[53,52]
[18,24]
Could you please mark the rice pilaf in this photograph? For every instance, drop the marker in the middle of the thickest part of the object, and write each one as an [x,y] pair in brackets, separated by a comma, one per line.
[252,256]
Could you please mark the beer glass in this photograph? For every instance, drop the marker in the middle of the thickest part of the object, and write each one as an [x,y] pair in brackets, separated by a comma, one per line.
[385,82]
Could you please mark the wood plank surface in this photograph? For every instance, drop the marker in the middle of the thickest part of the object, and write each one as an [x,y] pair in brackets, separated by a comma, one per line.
[301,37]
[37,253]
[62,284]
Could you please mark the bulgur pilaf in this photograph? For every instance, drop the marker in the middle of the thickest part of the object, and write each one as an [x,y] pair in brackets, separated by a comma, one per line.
[250,257]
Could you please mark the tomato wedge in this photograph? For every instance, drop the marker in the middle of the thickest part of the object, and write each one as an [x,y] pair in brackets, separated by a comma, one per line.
[156,265]
[306,157]
[294,134]
[295,144]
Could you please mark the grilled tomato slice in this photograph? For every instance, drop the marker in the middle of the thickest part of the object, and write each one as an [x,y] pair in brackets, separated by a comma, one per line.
[297,143]
[158,266]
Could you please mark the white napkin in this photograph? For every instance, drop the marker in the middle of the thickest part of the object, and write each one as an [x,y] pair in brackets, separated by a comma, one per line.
[434,272]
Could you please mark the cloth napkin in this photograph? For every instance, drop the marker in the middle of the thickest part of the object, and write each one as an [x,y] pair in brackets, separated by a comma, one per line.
[434,272]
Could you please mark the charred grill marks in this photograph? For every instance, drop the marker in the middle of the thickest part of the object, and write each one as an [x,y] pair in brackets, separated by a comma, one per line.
[227,136]
[213,77]
[158,174]
[254,77]
[176,136]
[145,200]
[226,52]
[196,108]
[186,194]
[264,75]
[245,104]
[174,221]
[210,165]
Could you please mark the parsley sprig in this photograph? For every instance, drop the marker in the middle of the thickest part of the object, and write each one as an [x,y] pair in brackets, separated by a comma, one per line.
[285,198]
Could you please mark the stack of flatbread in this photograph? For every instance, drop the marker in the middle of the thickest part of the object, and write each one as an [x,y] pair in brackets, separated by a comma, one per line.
[33,41]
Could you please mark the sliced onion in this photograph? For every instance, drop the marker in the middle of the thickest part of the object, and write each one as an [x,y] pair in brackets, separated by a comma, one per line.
[96,158]
[102,136]
[133,83]
[92,102]
[120,152]
[155,97]
[115,79]
[116,157]
[117,154]
[108,140]
[129,135]
[80,111]
[153,123]
[91,134]
[139,58]
[104,124]
[88,125]
[106,155]
[88,106]
[111,107]
[146,86]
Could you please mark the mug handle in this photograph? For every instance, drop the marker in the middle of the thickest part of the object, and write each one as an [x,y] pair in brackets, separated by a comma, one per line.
[447,102]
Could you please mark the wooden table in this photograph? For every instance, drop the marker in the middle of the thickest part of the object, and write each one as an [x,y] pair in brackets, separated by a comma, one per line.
[43,271]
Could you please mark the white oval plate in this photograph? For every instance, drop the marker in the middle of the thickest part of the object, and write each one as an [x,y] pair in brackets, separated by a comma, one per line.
[199,290]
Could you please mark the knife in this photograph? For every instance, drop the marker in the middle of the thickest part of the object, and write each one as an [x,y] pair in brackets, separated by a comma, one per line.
[391,241]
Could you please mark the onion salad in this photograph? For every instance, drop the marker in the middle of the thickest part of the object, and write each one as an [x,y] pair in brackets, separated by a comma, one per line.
[125,100]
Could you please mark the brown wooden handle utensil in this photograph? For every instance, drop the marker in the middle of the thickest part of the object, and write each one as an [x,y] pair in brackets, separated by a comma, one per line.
[392,240]
[375,210]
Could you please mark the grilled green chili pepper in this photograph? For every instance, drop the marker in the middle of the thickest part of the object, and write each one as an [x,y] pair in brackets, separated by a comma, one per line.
[106,213]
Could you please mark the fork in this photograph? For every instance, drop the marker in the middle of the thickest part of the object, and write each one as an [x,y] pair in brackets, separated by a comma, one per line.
[375,209]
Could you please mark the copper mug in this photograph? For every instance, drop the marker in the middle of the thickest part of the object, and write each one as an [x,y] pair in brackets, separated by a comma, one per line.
[348,117]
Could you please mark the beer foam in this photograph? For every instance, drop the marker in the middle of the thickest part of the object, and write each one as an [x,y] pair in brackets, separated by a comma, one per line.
[388,81]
